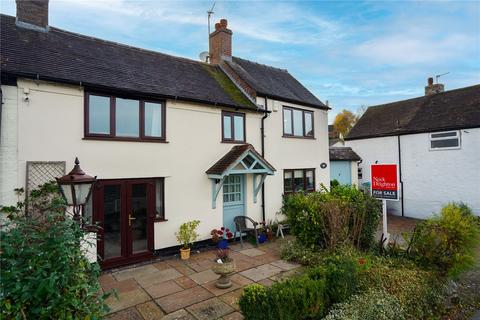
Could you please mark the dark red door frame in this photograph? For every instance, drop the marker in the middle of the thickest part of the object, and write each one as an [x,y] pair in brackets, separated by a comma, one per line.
[127,257]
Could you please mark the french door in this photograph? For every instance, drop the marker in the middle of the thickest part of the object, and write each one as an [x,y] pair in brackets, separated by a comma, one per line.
[124,209]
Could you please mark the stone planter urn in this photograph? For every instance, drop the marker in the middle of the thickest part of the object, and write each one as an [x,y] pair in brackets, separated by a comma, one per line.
[224,269]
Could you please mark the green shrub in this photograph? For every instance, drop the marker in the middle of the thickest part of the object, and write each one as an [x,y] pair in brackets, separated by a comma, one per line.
[447,241]
[418,291]
[44,273]
[341,276]
[370,305]
[343,216]
[298,298]
[296,252]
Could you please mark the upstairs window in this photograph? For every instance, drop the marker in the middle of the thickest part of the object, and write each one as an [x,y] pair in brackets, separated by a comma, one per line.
[297,123]
[298,180]
[111,117]
[233,127]
[445,140]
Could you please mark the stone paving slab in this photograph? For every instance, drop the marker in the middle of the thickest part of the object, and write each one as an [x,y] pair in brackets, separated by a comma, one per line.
[210,286]
[234,316]
[186,282]
[179,315]
[285,265]
[127,299]
[121,286]
[134,272]
[183,299]
[204,276]
[210,309]
[150,311]
[232,298]
[253,252]
[157,277]
[241,280]
[163,289]
[261,272]
[128,314]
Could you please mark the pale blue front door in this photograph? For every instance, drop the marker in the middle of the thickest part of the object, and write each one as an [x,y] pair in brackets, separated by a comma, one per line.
[341,171]
[233,199]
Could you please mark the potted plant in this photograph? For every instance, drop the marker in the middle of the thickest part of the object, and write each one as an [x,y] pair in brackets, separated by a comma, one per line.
[269,230]
[185,236]
[224,265]
[262,236]
[221,237]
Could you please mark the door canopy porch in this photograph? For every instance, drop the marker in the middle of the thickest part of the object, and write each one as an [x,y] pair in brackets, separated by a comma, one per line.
[241,159]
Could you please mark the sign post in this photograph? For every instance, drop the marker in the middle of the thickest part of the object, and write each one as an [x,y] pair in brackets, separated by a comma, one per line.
[384,186]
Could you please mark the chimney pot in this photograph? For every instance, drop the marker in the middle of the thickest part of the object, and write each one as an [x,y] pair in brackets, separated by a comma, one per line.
[224,23]
[33,14]
[430,81]
[432,88]
[217,26]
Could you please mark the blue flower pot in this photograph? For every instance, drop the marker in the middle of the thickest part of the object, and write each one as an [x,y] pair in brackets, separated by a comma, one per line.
[262,238]
[222,244]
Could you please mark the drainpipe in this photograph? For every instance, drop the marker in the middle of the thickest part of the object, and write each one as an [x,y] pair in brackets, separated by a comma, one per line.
[262,131]
[400,172]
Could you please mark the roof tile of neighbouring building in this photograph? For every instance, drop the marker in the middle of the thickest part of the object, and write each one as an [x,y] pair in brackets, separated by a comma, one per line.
[449,110]
[273,82]
[232,156]
[72,58]
[343,153]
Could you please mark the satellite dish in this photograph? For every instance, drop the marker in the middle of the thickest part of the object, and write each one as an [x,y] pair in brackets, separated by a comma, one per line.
[203,56]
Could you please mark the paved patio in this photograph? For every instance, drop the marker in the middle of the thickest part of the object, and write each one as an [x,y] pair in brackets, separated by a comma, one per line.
[185,290]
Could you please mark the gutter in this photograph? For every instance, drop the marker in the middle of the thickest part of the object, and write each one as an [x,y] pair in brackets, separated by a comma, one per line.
[262,132]
[127,91]
[274,97]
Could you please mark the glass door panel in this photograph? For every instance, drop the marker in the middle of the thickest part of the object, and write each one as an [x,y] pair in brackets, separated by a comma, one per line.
[139,217]
[112,221]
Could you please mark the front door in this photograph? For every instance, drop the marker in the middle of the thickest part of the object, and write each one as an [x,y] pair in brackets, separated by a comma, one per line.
[341,171]
[125,211]
[233,199]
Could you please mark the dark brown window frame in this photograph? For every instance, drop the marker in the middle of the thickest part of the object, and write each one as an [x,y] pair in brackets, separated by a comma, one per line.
[304,180]
[141,116]
[232,114]
[292,135]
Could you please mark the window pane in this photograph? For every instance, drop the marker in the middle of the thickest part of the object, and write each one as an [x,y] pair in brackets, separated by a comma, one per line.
[444,134]
[127,117]
[287,121]
[99,114]
[238,127]
[447,143]
[310,178]
[112,221]
[298,180]
[153,119]
[159,199]
[308,124]
[287,181]
[297,123]
[227,127]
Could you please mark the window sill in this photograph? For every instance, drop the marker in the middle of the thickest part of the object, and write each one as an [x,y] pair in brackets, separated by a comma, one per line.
[298,137]
[233,142]
[160,220]
[125,139]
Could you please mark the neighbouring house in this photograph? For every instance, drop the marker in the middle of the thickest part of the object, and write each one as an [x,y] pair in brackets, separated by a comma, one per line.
[335,139]
[434,139]
[344,165]
[170,139]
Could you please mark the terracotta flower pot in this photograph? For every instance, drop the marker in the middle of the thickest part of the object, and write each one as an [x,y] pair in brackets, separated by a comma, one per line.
[224,269]
[185,253]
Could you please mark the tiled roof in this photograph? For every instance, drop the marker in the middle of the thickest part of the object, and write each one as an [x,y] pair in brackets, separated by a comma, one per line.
[63,56]
[343,153]
[275,83]
[232,156]
[449,110]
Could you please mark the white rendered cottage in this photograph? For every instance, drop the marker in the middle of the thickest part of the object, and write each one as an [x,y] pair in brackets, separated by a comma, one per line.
[156,129]
[434,139]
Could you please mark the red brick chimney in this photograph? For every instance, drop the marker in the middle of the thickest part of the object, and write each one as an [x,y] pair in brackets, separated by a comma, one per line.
[432,88]
[32,14]
[220,45]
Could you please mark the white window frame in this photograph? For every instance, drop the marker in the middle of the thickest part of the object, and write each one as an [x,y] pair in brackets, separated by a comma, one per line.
[457,136]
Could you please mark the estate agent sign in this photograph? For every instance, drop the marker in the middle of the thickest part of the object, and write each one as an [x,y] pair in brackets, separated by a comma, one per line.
[384,181]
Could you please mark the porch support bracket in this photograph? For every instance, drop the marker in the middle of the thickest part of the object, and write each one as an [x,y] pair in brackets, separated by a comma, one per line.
[217,185]
[257,187]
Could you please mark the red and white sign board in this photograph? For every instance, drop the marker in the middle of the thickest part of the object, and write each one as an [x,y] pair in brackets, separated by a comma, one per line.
[384,181]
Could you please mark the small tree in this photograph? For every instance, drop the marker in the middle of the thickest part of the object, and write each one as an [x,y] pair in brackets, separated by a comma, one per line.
[187,234]
[344,121]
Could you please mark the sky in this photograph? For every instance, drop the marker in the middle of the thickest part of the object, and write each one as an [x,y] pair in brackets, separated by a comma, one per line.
[351,53]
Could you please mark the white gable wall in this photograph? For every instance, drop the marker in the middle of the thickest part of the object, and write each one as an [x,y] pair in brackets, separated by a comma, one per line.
[431,178]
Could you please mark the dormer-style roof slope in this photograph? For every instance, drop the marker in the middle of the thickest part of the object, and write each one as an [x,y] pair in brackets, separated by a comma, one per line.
[274,83]
[67,57]
[449,110]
